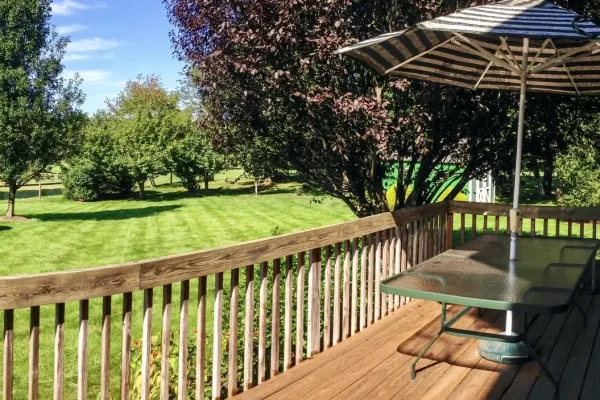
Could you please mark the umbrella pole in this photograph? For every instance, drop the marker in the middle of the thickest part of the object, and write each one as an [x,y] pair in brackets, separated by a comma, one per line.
[502,352]
[515,213]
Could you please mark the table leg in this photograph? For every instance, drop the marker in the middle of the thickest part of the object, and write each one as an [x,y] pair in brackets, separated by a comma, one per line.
[537,358]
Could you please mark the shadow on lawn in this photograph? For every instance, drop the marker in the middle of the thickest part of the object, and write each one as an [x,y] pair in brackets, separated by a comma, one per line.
[5,228]
[156,196]
[107,215]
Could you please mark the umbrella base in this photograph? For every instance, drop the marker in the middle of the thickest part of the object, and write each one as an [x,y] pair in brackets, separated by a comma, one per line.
[504,353]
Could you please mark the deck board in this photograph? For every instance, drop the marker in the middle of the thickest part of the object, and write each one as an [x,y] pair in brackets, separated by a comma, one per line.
[375,363]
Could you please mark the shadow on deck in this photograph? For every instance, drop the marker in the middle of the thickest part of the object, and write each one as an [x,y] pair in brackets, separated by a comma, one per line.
[374,363]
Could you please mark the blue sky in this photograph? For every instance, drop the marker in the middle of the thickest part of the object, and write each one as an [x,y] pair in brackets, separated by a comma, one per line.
[113,41]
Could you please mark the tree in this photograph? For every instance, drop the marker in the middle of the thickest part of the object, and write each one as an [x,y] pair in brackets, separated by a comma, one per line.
[193,156]
[40,119]
[98,170]
[147,118]
[268,75]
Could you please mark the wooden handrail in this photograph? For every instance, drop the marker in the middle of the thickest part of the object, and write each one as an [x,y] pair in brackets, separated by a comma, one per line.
[542,212]
[61,287]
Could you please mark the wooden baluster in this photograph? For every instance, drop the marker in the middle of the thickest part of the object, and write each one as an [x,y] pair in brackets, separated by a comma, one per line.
[184,313]
[249,328]
[336,295]
[434,236]
[34,353]
[201,338]
[449,231]
[105,359]
[384,269]
[59,342]
[363,282]
[414,242]
[545,227]
[473,226]
[594,223]
[370,280]
[300,309]
[404,256]
[165,342]
[570,228]
[275,314]
[390,266]
[497,225]
[287,340]
[147,343]
[378,246]
[581,229]
[532,227]
[507,231]
[262,324]
[314,307]
[462,228]
[557,227]
[126,346]
[232,388]
[520,226]
[327,300]
[398,260]
[346,292]
[7,376]
[485,224]
[422,240]
[217,337]
[354,295]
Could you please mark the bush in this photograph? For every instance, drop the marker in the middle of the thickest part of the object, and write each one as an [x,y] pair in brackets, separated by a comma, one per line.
[97,171]
[82,181]
[578,171]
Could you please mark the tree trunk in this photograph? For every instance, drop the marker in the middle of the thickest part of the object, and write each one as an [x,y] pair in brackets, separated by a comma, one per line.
[171,179]
[547,180]
[141,186]
[256,184]
[152,182]
[12,194]
[206,181]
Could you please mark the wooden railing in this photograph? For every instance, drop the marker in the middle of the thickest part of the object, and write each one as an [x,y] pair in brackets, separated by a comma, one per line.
[245,313]
[492,218]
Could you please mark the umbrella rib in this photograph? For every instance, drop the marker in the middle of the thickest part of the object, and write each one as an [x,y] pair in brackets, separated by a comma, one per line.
[413,58]
[510,53]
[480,51]
[486,69]
[539,53]
[557,60]
[566,69]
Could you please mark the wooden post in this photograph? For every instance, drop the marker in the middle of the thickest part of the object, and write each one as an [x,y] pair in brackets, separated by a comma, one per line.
[8,354]
[105,359]
[314,306]
[126,345]
[201,338]
[40,190]
[233,332]
[449,230]
[34,352]
[165,342]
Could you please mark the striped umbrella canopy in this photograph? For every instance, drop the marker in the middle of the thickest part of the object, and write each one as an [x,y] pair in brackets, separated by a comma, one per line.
[482,48]
[520,45]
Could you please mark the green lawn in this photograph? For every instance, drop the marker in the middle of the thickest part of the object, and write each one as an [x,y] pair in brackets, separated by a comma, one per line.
[63,235]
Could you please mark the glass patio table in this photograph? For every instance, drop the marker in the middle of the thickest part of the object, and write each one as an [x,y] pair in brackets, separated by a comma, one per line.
[545,279]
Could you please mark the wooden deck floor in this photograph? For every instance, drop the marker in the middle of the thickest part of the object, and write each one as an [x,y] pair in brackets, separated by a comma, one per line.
[374,364]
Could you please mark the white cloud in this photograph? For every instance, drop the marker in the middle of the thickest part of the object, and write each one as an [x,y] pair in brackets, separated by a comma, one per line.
[68,7]
[68,29]
[83,57]
[94,77]
[77,57]
[93,44]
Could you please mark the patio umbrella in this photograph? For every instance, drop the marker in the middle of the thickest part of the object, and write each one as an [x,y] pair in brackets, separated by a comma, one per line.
[518,45]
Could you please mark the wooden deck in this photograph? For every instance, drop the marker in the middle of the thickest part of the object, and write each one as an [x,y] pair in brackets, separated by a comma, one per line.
[374,363]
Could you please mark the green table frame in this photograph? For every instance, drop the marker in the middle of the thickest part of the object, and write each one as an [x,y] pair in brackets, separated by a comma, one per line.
[470,303]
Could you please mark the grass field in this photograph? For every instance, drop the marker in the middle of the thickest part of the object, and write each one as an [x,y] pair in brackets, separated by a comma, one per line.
[63,235]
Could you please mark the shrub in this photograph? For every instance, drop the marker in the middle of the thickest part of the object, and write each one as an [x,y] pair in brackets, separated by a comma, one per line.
[98,170]
[155,354]
[578,171]
[82,181]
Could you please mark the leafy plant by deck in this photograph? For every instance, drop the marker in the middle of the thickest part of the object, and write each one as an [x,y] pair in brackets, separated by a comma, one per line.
[40,120]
